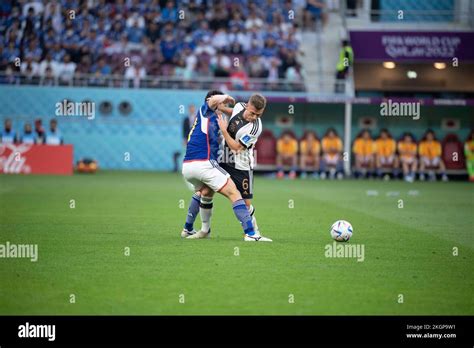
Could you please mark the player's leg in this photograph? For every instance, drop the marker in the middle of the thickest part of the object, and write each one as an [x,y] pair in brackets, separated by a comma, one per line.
[193,211]
[413,169]
[324,166]
[243,180]
[217,179]
[423,163]
[190,173]
[317,166]
[294,165]
[339,167]
[442,169]
[395,165]
[241,212]
[405,169]
[205,209]
[378,165]
[371,165]
[303,166]
[251,208]
[246,190]
[279,162]
[358,166]
[205,212]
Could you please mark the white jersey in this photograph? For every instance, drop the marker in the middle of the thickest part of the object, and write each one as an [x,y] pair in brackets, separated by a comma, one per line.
[246,133]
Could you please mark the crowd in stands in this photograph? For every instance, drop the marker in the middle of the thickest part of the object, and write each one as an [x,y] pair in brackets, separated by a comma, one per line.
[30,135]
[382,157]
[57,40]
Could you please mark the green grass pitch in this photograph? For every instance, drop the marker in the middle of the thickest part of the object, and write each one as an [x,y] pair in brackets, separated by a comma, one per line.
[409,247]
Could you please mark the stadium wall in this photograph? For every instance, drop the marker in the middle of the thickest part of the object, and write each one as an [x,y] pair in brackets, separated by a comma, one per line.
[152,132]
[319,117]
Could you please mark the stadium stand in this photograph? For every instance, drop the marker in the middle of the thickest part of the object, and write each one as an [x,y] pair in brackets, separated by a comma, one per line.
[60,40]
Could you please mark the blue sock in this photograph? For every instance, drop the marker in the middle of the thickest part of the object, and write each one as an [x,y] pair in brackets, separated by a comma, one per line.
[193,211]
[243,215]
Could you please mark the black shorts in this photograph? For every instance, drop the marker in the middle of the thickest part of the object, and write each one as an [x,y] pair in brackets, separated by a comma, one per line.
[243,179]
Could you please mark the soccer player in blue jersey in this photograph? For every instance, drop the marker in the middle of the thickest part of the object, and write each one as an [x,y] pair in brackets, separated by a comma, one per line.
[202,171]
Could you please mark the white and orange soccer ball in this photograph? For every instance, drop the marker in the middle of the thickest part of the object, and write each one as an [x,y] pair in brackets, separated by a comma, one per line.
[341,231]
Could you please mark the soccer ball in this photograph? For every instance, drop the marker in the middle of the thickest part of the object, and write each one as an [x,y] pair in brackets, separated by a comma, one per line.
[341,231]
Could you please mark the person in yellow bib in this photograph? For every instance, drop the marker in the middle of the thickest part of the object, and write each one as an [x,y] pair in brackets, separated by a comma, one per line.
[287,152]
[364,150]
[331,161]
[310,149]
[386,154]
[469,153]
[430,151]
[407,150]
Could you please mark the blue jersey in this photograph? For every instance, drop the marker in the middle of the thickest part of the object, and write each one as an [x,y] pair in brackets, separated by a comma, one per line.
[28,138]
[8,137]
[203,138]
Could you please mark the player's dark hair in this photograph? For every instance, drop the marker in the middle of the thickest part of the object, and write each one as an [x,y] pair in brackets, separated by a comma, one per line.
[308,132]
[211,93]
[361,133]
[429,131]
[385,130]
[408,134]
[329,130]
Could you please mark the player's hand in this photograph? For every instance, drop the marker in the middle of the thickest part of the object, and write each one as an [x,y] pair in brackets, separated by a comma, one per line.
[229,100]
[221,121]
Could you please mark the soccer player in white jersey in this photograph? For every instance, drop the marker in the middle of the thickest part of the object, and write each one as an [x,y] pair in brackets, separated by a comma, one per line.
[240,134]
[201,170]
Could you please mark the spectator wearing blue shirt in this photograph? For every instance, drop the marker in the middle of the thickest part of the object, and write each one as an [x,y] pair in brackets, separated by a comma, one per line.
[33,50]
[101,68]
[8,135]
[116,31]
[50,39]
[135,33]
[28,136]
[53,135]
[168,48]
[57,52]
[169,13]
[11,52]
[271,49]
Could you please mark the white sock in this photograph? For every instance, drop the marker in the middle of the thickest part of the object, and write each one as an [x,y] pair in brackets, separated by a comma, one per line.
[205,211]
[254,219]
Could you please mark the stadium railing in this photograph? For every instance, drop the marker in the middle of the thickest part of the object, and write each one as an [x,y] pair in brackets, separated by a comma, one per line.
[326,84]
[457,17]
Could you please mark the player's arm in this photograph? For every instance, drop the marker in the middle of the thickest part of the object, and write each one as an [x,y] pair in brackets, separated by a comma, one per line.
[214,101]
[232,143]
[225,109]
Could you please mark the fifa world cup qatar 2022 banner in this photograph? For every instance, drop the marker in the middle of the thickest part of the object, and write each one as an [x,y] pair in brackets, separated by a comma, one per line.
[412,46]
[36,159]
